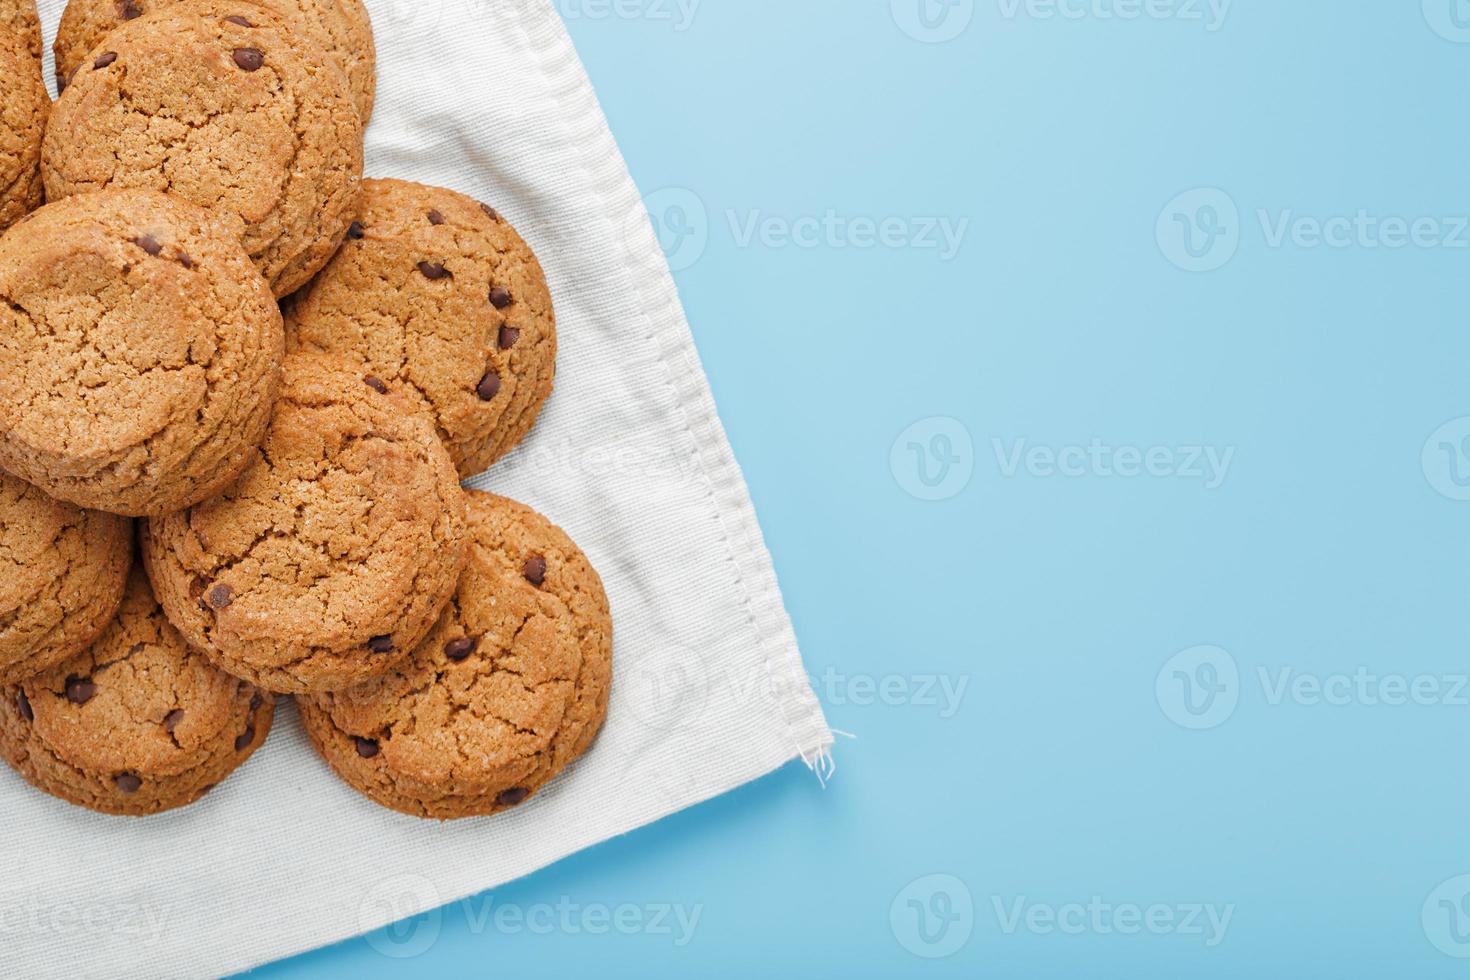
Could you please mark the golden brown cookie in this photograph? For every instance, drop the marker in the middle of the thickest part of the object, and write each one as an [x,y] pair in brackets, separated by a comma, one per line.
[136,724]
[509,688]
[227,110]
[62,571]
[20,16]
[341,28]
[439,297]
[24,105]
[336,551]
[139,352]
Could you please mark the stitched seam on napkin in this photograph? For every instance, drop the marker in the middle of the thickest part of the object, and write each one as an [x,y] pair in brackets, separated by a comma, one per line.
[806,727]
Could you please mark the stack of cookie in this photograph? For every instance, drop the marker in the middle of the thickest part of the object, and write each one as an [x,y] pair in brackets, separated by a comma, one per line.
[215,326]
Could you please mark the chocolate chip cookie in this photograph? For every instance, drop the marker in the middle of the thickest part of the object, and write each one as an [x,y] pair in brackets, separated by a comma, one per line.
[216,102]
[341,28]
[440,298]
[62,571]
[136,724]
[333,555]
[510,687]
[24,105]
[139,352]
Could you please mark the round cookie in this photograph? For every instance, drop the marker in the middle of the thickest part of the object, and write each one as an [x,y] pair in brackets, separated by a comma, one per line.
[24,106]
[509,688]
[335,552]
[217,103]
[139,352]
[339,27]
[62,572]
[136,724]
[438,295]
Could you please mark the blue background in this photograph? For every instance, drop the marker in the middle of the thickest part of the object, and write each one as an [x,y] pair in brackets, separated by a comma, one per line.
[1330,545]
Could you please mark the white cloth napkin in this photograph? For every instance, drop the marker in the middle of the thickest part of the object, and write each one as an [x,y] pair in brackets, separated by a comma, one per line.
[486,97]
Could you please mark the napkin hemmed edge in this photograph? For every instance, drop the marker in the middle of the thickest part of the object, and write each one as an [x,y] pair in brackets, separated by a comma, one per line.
[809,735]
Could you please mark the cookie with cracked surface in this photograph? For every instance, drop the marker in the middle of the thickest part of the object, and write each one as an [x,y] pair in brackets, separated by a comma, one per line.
[510,687]
[139,352]
[220,104]
[62,572]
[24,106]
[136,724]
[438,296]
[335,552]
[341,28]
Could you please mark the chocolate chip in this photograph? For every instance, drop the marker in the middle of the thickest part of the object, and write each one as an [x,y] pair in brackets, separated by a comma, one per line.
[435,218]
[246,737]
[376,383]
[24,704]
[508,337]
[103,60]
[434,270]
[355,230]
[366,747]
[148,244]
[197,586]
[512,797]
[535,570]
[172,719]
[127,782]
[381,644]
[500,297]
[221,596]
[489,385]
[80,690]
[458,650]
[129,9]
[238,21]
[490,212]
[186,260]
[249,59]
